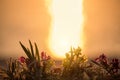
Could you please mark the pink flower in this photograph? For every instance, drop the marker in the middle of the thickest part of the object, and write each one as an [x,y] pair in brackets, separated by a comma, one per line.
[115,65]
[27,61]
[43,55]
[22,59]
[102,59]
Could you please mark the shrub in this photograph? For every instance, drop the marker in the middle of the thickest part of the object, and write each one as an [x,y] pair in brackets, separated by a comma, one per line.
[75,66]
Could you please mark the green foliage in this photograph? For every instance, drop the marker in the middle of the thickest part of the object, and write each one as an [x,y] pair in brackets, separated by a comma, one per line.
[12,71]
[31,54]
[37,68]
[34,67]
[107,70]
[76,66]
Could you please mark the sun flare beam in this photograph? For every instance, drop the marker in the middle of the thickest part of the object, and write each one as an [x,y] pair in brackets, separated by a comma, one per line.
[66,31]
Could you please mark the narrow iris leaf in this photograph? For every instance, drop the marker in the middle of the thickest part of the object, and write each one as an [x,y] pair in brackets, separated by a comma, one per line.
[30,54]
[13,67]
[95,62]
[31,47]
[37,52]
[25,50]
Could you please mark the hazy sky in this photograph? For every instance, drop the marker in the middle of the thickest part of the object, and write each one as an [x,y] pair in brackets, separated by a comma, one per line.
[21,20]
[102,27]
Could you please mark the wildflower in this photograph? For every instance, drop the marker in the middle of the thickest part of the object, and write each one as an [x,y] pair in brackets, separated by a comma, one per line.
[115,65]
[102,59]
[27,61]
[22,59]
[43,55]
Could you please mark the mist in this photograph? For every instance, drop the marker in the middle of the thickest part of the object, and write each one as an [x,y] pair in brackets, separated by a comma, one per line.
[102,27]
[21,20]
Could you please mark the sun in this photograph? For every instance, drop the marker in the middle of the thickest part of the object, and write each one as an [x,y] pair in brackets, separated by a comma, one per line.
[67,29]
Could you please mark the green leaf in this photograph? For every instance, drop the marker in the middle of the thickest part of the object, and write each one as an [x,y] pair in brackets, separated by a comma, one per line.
[37,52]
[31,47]
[26,51]
[13,67]
[95,62]
[32,58]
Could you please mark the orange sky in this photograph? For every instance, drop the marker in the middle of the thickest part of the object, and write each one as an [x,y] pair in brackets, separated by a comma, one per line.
[21,20]
[102,27]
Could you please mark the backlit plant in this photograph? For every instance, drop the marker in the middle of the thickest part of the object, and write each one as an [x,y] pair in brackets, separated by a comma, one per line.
[76,66]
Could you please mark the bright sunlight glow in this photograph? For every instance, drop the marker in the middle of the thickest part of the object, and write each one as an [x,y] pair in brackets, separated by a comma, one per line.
[66,31]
